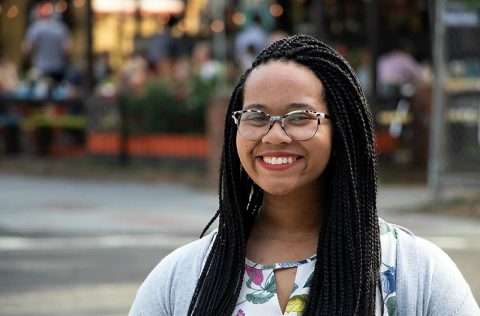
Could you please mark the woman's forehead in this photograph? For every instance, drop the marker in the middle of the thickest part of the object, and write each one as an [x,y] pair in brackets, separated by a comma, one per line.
[280,66]
[280,83]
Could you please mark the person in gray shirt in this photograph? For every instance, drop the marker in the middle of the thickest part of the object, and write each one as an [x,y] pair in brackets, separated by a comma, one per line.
[298,229]
[48,43]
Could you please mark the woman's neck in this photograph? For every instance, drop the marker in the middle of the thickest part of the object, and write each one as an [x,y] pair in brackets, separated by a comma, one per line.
[287,227]
[294,214]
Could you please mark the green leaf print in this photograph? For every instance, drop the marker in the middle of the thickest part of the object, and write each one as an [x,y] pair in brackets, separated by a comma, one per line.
[295,287]
[258,298]
[249,282]
[271,285]
[392,306]
[309,281]
[384,228]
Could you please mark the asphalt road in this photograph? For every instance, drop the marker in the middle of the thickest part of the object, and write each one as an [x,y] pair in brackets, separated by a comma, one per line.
[83,247]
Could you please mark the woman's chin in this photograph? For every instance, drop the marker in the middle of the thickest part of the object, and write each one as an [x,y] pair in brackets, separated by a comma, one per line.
[279,189]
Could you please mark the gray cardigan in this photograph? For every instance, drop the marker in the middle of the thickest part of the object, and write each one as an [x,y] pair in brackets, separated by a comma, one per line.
[428,281]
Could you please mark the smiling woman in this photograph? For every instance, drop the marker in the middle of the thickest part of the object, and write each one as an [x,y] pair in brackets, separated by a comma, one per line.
[298,231]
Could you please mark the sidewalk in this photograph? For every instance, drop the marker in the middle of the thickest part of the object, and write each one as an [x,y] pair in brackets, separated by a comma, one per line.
[36,206]
[411,206]
[54,206]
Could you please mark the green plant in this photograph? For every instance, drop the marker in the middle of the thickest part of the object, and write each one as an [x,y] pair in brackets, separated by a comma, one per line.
[164,108]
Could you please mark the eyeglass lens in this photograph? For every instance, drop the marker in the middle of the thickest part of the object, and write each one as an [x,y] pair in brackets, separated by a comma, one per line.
[299,126]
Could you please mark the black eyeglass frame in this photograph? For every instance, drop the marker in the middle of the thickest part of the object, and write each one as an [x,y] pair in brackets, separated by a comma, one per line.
[280,118]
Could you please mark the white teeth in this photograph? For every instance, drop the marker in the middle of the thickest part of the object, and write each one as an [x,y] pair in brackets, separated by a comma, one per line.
[279,160]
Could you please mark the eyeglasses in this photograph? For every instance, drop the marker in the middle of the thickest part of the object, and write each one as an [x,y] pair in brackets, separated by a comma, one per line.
[298,125]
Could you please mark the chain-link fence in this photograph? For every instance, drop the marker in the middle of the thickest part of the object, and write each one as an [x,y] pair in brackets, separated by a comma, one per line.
[455,133]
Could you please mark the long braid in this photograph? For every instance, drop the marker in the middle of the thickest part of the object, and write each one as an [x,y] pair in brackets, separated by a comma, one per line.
[348,251]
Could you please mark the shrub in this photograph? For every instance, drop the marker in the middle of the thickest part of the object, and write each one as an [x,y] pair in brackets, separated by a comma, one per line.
[165,108]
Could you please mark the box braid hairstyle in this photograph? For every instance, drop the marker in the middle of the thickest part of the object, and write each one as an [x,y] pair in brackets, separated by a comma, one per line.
[348,254]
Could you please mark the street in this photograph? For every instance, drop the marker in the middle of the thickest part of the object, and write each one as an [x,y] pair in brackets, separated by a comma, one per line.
[77,247]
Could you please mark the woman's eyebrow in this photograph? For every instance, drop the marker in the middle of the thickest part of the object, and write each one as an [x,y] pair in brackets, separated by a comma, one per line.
[293,106]
[254,106]
[301,106]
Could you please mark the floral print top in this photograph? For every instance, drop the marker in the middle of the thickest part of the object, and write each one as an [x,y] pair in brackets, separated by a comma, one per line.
[388,269]
[258,295]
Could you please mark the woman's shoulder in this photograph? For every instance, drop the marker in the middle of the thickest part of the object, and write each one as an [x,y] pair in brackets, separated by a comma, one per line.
[190,254]
[413,246]
[424,272]
[169,287]
[420,251]
[186,260]
[418,254]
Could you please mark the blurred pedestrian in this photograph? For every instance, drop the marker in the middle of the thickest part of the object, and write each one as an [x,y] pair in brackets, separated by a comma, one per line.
[250,40]
[133,74]
[397,68]
[48,43]
[247,58]
[364,72]
[161,44]
[165,48]
[399,74]
[8,73]
[276,35]
[207,68]
[298,229]
[101,67]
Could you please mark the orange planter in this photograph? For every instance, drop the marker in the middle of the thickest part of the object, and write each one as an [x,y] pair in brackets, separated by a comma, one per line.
[103,143]
[385,143]
[155,145]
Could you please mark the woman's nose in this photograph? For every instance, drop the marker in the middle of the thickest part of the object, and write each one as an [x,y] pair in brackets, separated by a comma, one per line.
[276,135]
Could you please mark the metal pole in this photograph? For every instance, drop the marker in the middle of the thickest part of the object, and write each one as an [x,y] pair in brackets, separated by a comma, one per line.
[138,19]
[123,103]
[89,48]
[437,123]
[219,38]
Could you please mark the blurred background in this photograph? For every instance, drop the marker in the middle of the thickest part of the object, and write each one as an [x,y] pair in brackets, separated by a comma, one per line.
[111,125]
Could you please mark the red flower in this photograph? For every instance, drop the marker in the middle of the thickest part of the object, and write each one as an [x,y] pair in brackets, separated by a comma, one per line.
[255,274]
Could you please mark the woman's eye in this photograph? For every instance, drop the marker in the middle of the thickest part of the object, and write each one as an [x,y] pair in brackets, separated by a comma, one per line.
[300,117]
[257,117]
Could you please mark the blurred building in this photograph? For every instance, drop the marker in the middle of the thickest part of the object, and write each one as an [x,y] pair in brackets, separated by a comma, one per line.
[117,23]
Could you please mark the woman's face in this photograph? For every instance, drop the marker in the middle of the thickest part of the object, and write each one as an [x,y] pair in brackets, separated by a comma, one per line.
[277,88]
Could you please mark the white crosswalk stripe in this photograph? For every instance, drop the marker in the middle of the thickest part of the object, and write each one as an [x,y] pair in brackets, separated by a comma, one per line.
[97,242]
